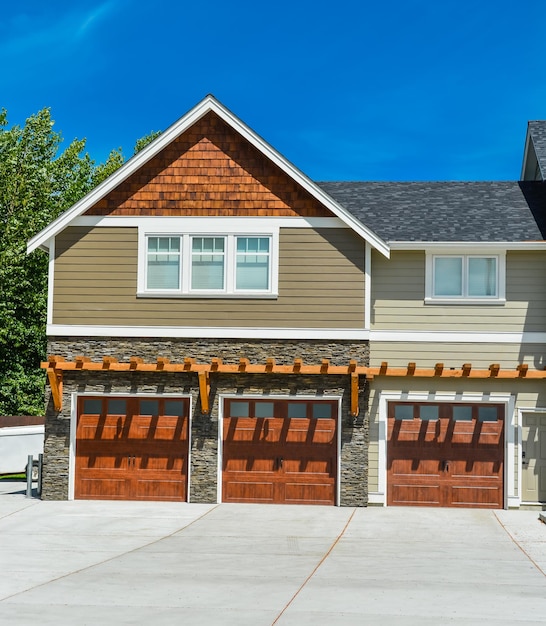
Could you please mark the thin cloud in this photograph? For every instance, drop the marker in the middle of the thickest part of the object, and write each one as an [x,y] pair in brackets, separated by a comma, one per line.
[25,34]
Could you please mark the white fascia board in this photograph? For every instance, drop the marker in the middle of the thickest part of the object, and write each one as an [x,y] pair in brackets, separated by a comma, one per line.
[179,332]
[458,246]
[185,122]
[440,336]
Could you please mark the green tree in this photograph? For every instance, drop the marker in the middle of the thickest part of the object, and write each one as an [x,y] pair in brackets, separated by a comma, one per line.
[38,181]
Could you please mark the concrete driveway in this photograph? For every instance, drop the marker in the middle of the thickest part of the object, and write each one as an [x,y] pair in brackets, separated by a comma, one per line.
[140,563]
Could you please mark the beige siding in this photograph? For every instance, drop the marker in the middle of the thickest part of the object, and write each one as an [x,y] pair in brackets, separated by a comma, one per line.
[398,292]
[321,284]
[481,355]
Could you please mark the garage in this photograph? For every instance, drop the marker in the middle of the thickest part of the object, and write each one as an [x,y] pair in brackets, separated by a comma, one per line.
[132,448]
[445,454]
[279,451]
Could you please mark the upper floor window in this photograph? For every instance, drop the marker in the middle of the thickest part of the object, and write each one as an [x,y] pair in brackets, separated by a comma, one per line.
[208,265]
[465,278]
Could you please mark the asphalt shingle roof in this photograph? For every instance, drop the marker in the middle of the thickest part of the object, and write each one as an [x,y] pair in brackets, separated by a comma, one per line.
[537,131]
[446,211]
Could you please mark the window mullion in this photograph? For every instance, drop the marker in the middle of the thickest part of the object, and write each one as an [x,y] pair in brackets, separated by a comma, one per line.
[230,263]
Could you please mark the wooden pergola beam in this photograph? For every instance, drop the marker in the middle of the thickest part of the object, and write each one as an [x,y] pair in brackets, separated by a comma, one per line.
[298,367]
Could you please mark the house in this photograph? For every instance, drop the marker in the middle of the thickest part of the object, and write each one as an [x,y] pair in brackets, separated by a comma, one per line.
[222,328]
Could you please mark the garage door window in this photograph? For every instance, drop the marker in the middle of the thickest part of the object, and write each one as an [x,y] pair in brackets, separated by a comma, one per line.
[462,413]
[304,409]
[429,412]
[487,414]
[92,407]
[117,407]
[149,407]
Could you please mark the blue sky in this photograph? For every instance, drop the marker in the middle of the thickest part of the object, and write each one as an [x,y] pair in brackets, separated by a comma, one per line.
[353,90]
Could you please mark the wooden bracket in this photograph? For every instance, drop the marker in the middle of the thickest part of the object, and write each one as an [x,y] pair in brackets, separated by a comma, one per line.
[204,391]
[522,369]
[411,369]
[324,366]
[107,361]
[466,369]
[383,368]
[297,366]
[438,369]
[354,394]
[243,364]
[269,365]
[55,378]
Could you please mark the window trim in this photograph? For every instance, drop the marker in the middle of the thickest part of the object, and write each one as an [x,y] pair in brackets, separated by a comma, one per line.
[465,255]
[229,233]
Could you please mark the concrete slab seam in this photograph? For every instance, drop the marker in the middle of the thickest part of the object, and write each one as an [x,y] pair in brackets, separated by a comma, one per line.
[117,556]
[329,551]
[514,540]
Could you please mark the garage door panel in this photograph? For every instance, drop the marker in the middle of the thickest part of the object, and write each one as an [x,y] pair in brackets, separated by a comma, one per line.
[482,497]
[104,428]
[159,489]
[415,495]
[301,493]
[285,453]
[138,451]
[98,488]
[463,465]
[249,491]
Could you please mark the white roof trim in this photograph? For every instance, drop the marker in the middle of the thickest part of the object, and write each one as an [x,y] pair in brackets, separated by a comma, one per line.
[456,245]
[136,162]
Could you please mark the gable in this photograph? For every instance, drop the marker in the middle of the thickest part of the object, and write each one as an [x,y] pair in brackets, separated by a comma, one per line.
[210,170]
[245,176]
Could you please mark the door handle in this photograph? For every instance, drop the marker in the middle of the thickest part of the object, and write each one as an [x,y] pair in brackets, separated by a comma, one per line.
[280,462]
[445,466]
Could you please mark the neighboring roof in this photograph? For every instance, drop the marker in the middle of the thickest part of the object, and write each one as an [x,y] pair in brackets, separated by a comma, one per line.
[447,211]
[537,134]
[141,158]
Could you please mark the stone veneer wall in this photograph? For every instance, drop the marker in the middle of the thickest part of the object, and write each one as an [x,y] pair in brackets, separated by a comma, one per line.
[204,428]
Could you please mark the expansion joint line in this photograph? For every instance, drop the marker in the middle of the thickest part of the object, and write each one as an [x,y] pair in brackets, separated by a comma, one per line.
[315,569]
[514,540]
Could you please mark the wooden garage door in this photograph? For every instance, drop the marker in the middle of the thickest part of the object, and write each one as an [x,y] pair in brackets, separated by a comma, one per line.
[132,448]
[448,455]
[278,451]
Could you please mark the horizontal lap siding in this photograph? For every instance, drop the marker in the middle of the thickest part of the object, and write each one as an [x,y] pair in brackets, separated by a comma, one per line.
[398,292]
[321,284]
[480,355]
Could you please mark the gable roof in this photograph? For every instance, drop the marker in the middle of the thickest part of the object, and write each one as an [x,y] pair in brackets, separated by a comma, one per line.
[141,158]
[534,158]
[462,212]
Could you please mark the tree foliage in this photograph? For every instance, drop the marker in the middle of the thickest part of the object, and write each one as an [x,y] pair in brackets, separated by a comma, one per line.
[38,181]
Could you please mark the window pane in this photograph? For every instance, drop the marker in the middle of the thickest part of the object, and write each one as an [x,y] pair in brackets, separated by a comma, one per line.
[92,407]
[297,409]
[403,412]
[252,266]
[482,276]
[428,412]
[264,409]
[163,263]
[149,407]
[174,408]
[487,413]
[238,409]
[322,410]
[448,276]
[117,407]
[462,413]
[207,267]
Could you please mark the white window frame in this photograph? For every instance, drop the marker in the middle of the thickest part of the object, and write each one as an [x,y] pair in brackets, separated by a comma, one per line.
[229,232]
[465,255]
